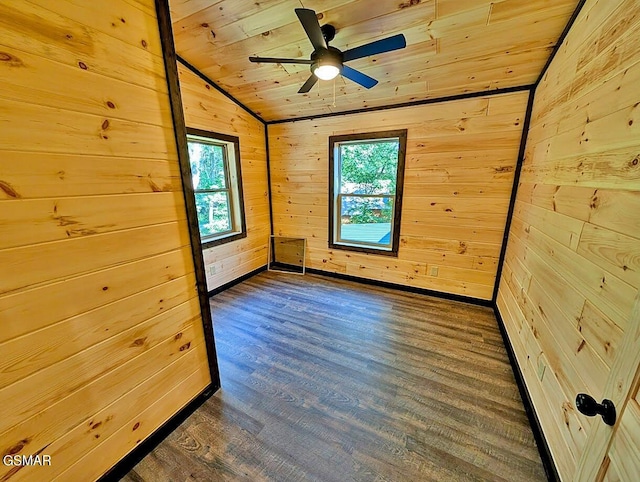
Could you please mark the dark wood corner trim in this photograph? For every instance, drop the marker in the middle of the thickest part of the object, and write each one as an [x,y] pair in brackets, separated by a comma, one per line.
[218,88]
[401,134]
[409,289]
[124,466]
[268,159]
[558,44]
[435,100]
[534,421]
[234,282]
[514,193]
[173,85]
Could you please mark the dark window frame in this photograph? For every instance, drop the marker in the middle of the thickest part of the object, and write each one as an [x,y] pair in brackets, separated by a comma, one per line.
[232,235]
[401,134]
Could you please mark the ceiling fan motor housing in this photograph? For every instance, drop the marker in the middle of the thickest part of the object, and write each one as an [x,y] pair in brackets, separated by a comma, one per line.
[330,56]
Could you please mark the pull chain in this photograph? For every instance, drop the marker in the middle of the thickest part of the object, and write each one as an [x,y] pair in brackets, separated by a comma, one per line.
[334,91]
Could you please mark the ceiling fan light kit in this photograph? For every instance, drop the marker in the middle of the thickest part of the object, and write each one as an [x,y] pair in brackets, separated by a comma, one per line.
[326,72]
[327,62]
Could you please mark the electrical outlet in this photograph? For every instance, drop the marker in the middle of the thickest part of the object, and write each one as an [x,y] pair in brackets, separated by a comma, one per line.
[433,271]
[212,269]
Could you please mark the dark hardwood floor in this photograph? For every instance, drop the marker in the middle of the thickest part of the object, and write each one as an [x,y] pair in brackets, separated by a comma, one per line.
[328,380]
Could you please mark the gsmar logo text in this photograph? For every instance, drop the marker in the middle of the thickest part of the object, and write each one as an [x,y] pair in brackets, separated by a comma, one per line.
[20,460]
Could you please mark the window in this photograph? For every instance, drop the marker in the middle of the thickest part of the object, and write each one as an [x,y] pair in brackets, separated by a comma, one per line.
[366,173]
[217,186]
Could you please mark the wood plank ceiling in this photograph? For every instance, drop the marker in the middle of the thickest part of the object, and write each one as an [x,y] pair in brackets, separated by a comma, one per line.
[453,47]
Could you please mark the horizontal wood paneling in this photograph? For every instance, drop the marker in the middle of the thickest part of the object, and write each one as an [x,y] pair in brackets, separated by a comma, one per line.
[459,172]
[50,33]
[104,356]
[77,295]
[571,267]
[25,262]
[207,109]
[90,134]
[25,355]
[74,411]
[66,89]
[453,47]
[188,379]
[59,219]
[28,175]
[98,303]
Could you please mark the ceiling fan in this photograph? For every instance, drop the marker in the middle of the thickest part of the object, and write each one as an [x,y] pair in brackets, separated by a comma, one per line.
[327,62]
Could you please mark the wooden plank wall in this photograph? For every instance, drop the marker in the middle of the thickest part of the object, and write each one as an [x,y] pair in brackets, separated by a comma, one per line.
[459,174]
[101,338]
[206,108]
[573,259]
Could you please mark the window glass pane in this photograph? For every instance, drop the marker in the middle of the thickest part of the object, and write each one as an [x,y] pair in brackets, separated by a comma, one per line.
[369,167]
[207,165]
[366,219]
[213,213]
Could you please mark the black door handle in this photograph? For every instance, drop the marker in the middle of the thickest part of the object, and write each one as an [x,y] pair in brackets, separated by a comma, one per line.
[587,405]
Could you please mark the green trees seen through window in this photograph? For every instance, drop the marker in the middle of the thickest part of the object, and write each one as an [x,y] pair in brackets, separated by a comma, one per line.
[366,170]
[208,169]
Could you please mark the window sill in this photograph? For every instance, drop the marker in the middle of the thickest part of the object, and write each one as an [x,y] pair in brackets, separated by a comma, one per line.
[364,249]
[223,239]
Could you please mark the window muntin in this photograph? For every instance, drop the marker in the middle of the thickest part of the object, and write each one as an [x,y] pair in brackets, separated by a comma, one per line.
[216,177]
[366,191]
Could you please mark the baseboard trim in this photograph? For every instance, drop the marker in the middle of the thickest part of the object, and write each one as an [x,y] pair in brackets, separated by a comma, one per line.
[234,282]
[536,428]
[124,466]
[410,289]
[366,281]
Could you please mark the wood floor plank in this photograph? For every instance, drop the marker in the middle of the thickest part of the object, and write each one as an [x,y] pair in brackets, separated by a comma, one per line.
[325,380]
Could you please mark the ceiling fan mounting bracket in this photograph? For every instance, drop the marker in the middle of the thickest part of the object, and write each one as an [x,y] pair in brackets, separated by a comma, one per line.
[328,32]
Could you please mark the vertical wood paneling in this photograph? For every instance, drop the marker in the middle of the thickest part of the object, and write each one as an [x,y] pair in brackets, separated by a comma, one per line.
[458,177]
[571,266]
[207,109]
[98,305]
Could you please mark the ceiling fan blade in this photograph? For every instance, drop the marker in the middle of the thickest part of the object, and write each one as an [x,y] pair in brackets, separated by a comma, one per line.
[275,60]
[379,46]
[311,81]
[310,23]
[358,77]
